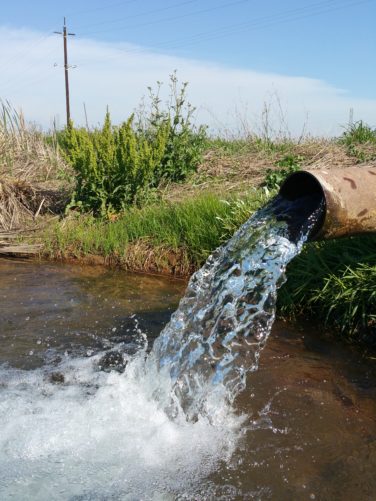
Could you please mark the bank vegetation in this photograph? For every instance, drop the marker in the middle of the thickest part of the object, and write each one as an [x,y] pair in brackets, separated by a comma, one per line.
[158,194]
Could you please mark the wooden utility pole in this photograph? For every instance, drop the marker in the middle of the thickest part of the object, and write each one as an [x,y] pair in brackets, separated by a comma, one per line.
[65,35]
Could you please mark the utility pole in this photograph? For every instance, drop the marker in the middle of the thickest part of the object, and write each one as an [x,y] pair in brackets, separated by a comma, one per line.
[65,35]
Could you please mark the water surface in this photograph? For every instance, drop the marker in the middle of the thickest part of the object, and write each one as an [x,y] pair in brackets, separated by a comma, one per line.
[304,428]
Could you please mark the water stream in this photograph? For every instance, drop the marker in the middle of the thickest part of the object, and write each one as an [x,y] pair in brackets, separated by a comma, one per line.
[215,336]
[95,405]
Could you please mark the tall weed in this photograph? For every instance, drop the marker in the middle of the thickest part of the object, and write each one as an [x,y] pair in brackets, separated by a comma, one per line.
[185,142]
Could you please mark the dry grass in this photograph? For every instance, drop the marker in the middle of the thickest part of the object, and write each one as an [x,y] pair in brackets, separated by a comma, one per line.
[24,152]
[162,259]
[324,154]
[18,204]
[31,172]
[226,169]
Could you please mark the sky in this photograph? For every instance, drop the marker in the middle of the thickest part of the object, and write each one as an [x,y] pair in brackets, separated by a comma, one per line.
[308,63]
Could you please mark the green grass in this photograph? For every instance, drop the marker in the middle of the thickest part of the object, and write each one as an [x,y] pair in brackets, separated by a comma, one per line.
[360,141]
[358,133]
[334,282]
[197,225]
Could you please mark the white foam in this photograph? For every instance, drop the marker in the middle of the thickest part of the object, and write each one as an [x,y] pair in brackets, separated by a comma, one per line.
[102,434]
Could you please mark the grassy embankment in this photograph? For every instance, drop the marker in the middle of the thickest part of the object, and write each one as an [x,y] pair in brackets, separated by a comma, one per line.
[169,221]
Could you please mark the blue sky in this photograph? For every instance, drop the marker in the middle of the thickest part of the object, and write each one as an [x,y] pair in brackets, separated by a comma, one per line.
[331,41]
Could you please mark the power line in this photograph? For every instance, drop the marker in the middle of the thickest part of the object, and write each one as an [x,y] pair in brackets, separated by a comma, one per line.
[139,14]
[65,35]
[289,15]
[30,83]
[260,23]
[264,21]
[103,7]
[172,18]
[23,53]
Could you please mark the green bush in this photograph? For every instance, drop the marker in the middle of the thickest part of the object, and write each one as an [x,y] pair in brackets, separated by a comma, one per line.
[113,165]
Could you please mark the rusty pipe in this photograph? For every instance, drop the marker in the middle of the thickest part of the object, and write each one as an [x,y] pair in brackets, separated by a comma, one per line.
[349,197]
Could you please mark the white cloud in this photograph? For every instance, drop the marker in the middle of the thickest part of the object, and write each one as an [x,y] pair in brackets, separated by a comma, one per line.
[117,75]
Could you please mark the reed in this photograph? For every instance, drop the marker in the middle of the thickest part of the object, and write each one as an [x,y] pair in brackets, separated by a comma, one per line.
[25,154]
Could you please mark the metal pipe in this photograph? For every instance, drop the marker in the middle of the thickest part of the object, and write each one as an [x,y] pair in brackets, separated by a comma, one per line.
[349,195]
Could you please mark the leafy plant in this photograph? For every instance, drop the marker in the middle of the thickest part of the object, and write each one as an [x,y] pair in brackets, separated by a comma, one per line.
[117,165]
[286,166]
[111,164]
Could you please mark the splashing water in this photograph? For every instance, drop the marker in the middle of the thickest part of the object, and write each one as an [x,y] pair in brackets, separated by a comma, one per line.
[101,436]
[168,420]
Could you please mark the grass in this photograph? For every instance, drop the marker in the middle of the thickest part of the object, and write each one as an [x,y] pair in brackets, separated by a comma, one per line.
[334,282]
[360,142]
[252,144]
[25,153]
[193,227]
[18,203]
[358,133]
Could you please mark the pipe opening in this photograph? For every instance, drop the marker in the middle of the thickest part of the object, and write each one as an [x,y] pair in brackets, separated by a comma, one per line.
[303,186]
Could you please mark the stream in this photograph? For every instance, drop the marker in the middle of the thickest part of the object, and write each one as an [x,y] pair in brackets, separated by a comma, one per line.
[81,418]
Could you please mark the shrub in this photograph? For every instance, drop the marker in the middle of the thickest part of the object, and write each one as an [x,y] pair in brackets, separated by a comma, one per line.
[111,164]
[115,164]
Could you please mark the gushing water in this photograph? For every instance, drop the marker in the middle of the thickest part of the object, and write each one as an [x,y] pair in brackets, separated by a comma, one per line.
[168,420]
[215,336]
